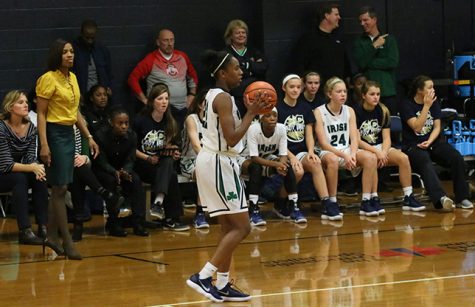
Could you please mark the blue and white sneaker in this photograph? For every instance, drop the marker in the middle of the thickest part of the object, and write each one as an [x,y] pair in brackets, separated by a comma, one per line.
[281,208]
[230,293]
[256,219]
[296,214]
[204,287]
[200,222]
[367,209]
[331,211]
[410,203]
[376,203]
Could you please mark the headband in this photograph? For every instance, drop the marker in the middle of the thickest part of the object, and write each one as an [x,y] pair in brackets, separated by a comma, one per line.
[274,109]
[288,77]
[219,65]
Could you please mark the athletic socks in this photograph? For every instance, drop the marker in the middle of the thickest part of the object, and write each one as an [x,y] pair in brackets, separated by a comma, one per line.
[222,280]
[254,198]
[407,190]
[159,198]
[207,271]
[293,197]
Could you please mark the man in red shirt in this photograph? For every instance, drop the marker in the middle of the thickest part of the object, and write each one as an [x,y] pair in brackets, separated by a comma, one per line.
[170,66]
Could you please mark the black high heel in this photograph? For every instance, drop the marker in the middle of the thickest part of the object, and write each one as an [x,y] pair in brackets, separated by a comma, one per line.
[58,250]
[71,253]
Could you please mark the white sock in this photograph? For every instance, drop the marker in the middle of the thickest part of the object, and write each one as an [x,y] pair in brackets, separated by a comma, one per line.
[254,198]
[222,280]
[407,190]
[366,196]
[208,270]
[374,194]
[159,198]
[332,199]
[294,197]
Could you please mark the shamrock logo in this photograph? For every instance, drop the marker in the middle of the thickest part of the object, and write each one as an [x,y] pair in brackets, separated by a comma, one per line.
[231,196]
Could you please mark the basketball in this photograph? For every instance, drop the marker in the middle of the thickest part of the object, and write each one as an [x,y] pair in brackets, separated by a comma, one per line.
[253,89]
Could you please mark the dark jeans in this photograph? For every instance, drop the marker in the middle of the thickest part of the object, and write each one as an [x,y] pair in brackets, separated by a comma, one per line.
[445,155]
[82,177]
[131,190]
[163,178]
[18,184]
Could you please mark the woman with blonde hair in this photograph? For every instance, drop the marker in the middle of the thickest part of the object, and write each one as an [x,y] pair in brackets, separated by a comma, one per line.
[338,140]
[251,61]
[20,169]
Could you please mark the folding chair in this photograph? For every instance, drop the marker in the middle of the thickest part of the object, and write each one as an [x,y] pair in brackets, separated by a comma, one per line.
[2,208]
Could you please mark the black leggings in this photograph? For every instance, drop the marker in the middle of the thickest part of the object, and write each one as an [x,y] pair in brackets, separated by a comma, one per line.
[255,179]
[445,155]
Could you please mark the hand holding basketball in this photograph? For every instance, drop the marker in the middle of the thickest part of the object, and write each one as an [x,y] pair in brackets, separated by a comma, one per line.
[261,93]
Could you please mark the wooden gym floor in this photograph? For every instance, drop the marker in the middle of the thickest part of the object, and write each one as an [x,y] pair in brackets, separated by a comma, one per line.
[400,259]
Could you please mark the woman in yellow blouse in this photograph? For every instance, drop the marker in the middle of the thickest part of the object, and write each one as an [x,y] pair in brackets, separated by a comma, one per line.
[58,110]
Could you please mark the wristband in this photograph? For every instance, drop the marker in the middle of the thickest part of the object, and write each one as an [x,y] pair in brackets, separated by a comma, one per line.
[191,94]
[149,158]
[90,136]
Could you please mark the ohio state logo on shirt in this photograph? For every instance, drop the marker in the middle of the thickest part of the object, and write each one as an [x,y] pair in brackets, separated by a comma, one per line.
[171,70]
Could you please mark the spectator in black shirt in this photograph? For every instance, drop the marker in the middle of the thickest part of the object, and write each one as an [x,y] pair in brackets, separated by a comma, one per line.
[84,176]
[374,124]
[114,168]
[251,61]
[321,49]
[157,151]
[92,64]
[96,108]
[422,143]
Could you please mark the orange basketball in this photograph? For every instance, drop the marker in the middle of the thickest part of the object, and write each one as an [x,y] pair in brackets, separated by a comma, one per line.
[253,89]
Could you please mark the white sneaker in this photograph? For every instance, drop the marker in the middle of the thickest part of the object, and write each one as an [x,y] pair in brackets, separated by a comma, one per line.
[447,203]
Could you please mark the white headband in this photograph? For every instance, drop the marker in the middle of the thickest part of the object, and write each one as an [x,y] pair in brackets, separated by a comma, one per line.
[274,109]
[221,63]
[288,77]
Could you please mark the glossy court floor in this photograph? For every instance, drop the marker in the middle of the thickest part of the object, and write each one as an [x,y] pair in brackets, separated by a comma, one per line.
[418,259]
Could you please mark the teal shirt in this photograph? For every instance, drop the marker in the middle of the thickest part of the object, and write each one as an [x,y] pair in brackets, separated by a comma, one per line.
[378,64]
